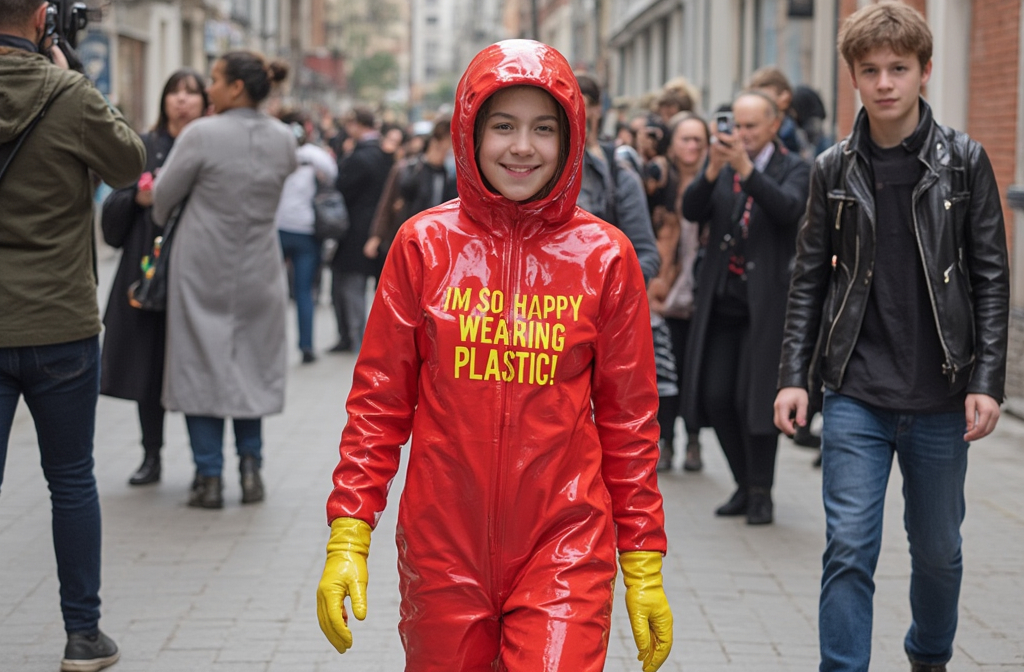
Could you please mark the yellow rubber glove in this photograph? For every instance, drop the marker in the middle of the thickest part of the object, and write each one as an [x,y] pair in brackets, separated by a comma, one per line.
[649,613]
[344,574]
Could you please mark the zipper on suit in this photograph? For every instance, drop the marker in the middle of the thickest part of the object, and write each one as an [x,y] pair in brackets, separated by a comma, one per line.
[509,285]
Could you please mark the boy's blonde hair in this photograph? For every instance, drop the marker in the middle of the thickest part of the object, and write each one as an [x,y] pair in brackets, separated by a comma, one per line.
[886,24]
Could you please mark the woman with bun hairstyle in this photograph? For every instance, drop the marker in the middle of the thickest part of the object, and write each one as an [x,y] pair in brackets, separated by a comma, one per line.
[227,296]
[510,336]
[133,339]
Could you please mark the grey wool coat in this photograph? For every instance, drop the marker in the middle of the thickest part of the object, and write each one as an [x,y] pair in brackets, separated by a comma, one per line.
[227,295]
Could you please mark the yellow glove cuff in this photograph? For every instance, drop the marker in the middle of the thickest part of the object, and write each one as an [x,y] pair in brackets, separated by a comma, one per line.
[349,534]
[641,568]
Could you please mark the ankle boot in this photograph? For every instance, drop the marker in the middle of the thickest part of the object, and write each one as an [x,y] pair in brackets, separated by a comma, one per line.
[252,484]
[736,506]
[149,471]
[206,493]
[693,461]
[665,455]
[760,507]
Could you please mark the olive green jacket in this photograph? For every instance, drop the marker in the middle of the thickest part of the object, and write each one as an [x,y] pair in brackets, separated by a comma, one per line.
[47,280]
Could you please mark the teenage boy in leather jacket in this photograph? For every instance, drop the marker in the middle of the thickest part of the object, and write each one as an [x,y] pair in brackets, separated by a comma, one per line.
[900,299]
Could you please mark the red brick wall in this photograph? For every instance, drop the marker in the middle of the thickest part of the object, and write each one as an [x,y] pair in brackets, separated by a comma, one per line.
[992,102]
[846,98]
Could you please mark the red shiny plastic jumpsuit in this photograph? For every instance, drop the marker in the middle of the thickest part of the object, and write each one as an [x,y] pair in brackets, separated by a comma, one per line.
[513,341]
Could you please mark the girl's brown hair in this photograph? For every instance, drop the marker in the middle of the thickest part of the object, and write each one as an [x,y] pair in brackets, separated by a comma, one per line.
[563,140]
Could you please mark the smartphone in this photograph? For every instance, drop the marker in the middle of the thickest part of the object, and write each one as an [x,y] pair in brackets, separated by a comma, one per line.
[724,123]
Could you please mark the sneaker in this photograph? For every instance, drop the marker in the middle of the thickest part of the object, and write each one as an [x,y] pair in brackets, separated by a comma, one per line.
[88,652]
[308,357]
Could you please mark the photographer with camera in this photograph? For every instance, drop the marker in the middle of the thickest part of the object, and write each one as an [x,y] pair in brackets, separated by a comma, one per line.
[751,194]
[55,128]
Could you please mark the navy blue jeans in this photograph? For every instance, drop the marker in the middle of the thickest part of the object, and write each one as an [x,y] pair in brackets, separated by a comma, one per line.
[60,384]
[304,253]
[207,436]
[858,442]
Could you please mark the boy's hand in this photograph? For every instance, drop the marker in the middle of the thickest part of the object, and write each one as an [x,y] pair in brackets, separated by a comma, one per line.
[790,402]
[982,416]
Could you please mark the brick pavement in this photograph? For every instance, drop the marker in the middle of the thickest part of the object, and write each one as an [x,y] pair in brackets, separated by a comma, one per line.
[234,589]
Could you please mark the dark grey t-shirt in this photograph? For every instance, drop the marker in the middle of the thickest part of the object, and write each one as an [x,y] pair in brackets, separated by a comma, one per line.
[897,362]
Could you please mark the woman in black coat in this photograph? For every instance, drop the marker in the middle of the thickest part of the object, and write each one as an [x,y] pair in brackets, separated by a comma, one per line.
[133,341]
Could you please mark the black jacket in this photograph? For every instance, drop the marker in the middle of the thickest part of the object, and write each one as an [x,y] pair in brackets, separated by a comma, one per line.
[361,178]
[780,195]
[133,341]
[958,224]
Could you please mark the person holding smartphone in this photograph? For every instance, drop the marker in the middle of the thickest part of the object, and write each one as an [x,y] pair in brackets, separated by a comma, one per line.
[751,194]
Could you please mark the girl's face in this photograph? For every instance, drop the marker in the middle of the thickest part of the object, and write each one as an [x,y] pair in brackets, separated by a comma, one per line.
[689,142]
[223,95]
[518,152]
[185,103]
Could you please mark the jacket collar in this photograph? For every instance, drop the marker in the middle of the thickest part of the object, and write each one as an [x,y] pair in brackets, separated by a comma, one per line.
[915,143]
[16,42]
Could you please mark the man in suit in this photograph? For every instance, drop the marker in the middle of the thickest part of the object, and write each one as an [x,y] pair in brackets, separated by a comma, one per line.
[751,194]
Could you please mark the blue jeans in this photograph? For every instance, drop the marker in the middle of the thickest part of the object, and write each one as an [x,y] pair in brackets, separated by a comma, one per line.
[60,384]
[304,253]
[207,437]
[858,442]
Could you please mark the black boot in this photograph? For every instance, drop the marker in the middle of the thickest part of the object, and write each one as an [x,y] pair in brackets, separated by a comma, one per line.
[665,455]
[760,507]
[206,493]
[149,471]
[693,461]
[736,506]
[252,484]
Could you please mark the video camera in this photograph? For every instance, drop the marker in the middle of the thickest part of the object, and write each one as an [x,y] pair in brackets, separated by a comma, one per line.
[64,19]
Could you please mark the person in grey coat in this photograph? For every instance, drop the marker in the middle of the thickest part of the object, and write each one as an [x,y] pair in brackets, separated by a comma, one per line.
[227,296]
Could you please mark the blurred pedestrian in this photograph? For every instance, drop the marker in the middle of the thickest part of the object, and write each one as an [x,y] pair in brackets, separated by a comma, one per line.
[49,319]
[771,81]
[672,292]
[362,174]
[133,339]
[294,221]
[752,193]
[414,185]
[227,296]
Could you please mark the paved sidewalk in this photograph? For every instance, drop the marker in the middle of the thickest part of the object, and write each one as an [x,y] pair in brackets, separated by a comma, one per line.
[229,590]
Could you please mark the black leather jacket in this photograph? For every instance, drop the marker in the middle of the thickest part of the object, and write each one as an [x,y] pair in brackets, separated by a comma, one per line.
[958,223]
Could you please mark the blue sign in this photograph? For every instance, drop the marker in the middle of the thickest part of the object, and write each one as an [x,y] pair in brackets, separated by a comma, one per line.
[94,51]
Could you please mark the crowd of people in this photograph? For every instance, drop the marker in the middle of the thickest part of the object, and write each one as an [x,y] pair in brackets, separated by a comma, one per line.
[538,305]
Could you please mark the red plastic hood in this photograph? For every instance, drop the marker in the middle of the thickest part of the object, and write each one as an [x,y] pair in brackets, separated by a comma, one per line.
[501,65]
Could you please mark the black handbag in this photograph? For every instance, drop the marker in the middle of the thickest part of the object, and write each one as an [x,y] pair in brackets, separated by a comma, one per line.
[330,215]
[150,291]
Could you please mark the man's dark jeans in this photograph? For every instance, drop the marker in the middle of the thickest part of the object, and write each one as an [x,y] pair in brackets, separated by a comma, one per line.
[60,384]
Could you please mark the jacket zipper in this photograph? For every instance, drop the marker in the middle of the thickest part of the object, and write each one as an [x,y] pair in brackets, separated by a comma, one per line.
[849,287]
[948,368]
